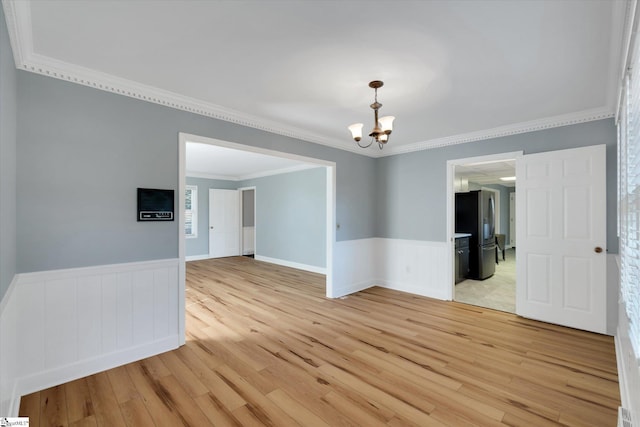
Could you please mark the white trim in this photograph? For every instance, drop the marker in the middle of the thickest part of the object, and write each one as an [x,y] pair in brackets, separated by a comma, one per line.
[63,374]
[182,251]
[187,137]
[451,164]
[196,257]
[628,368]
[7,295]
[291,264]
[69,273]
[9,395]
[501,131]
[18,19]
[628,37]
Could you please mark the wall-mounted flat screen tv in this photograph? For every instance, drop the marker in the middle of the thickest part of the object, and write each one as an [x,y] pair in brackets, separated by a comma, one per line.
[155,205]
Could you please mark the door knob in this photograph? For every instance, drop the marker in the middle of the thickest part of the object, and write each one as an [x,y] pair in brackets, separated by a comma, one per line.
[211,227]
[598,249]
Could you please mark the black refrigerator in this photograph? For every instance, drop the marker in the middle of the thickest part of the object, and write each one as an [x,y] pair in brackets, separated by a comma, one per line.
[475,214]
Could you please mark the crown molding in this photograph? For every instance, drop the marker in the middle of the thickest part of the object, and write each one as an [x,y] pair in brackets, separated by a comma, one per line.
[501,131]
[18,17]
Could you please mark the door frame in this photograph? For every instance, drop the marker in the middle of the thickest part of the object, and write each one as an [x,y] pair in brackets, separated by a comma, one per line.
[183,138]
[451,169]
[242,190]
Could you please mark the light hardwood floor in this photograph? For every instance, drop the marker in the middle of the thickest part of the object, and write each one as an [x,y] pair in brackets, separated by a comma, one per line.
[265,347]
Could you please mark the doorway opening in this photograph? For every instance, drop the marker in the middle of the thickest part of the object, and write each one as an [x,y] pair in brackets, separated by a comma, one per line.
[248,221]
[329,179]
[484,261]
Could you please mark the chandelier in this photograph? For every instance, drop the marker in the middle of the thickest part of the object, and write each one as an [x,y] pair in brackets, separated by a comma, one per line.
[382,126]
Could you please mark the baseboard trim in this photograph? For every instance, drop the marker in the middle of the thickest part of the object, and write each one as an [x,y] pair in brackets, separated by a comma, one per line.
[413,289]
[626,362]
[355,287]
[196,257]
[291,264]
[83,368]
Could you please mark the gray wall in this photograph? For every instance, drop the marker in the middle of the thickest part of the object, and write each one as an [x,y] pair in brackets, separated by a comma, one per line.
[290,211]
[248,208]
[7,160]
[291,216]
[83,152]
[412,187]
[200,245]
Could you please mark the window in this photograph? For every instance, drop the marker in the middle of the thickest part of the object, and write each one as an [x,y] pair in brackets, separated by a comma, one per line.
[191,211]
[629,197]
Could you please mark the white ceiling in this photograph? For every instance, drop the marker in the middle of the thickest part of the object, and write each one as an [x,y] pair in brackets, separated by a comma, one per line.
[212,161]
[454,71]
[488,172]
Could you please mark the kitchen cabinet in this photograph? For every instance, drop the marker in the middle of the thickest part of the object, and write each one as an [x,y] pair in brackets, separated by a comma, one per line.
[462,258]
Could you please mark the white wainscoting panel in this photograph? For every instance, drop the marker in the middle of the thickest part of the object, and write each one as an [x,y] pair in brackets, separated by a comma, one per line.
[354,266]
[418,267]
[66,324]
[414,266]
[9,397]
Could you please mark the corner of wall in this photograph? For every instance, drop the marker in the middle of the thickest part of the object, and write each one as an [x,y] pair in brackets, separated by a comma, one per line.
[9,398]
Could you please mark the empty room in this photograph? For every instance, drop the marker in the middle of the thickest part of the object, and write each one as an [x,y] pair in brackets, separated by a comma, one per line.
[319,213]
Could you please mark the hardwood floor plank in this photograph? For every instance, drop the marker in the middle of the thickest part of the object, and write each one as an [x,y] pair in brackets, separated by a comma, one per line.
[53,407]
[265,347]
[135,413]
[216,411]
[30,407]
[215,386]
[153,395]
[104,402]
[295,410]
[122,385]
[79,402]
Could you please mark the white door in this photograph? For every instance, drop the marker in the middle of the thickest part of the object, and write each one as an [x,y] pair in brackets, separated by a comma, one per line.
[561,228]
[512,220]
[224,223]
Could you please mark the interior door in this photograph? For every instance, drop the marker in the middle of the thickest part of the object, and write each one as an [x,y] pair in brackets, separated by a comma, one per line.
[561,229]
[224,223]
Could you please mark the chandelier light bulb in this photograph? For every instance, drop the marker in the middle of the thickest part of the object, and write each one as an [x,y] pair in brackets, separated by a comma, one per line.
[356,131]
[386,124]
